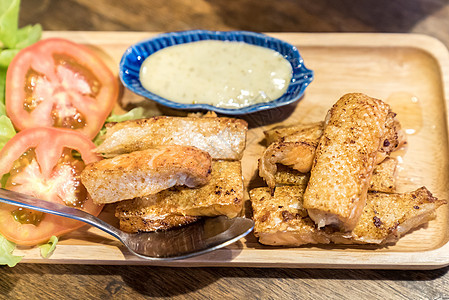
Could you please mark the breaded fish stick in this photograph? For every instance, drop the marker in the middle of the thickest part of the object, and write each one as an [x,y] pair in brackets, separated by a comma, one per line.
[146,172]
[222,138]
[281,219]
[345,159]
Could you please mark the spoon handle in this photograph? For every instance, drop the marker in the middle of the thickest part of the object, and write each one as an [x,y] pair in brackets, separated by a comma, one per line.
[22,200]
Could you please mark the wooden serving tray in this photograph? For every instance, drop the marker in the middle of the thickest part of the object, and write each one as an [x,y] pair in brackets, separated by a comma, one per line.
[408,71]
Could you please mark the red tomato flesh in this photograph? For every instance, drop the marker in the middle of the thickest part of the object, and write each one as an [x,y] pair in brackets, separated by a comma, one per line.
[45,163]
[57,83]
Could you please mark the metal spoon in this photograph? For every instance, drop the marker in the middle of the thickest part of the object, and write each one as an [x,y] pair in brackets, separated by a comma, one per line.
[198,238]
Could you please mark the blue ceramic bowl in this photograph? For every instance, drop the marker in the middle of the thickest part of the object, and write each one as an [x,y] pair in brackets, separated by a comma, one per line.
[135,55]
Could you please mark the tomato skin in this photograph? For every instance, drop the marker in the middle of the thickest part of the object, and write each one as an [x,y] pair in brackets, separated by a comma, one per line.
[31,235]
[59,87]
[49,145]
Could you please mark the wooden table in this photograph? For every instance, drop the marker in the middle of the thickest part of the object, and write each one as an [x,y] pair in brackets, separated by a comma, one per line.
[121,282]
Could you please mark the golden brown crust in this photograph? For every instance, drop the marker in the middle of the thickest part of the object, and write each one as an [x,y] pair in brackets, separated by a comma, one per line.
[311,131]
[394,137]
[384,176]
[137,224]
[386,217]
[281,219]
[222,138]
[295,146]
[288,176]
[383,179]
[298,155]
[344,162]
[146,172]
[222,195]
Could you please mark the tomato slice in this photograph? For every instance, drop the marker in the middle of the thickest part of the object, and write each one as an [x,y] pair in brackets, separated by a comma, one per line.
[57,83]
[45,163]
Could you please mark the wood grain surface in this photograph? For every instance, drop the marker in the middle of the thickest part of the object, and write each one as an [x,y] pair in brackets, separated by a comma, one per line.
[31,281]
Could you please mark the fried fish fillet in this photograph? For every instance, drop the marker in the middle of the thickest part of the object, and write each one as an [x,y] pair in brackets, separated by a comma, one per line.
[222,195]
[297,155]
[287,176]
[295,146]
[345,159]
[281,219]
[384,176]
[394,138]
[145,172]
[154,223]
[310,131]
[222,138]
[383,179]
[387,217]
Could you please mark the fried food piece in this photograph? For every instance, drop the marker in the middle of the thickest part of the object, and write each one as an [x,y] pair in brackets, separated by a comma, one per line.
[141,173]
[288,176]
[295,146]
[298,155]
[345,159]
[311,131]
[222,195]
[292,146]
[222,138]
[281,219]
[387,217]
[394,138]
[383,179]
[139,224]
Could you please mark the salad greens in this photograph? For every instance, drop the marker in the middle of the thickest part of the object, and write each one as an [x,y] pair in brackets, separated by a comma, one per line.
[12,40]
[6,256]
[47,249]
[134,114]
[7,130]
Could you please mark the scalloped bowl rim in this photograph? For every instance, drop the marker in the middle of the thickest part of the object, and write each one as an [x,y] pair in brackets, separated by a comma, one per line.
[201,35]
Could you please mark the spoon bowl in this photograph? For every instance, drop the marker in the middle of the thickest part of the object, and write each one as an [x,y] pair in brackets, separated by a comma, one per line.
[201,237]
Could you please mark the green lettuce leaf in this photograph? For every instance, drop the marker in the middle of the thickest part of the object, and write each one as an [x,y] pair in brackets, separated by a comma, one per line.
[6,57]
[9,20]
[13,39]
[7,130]
[2,108]
[6,250]
[2,89]
[133,114]
[47,249]
[28,35]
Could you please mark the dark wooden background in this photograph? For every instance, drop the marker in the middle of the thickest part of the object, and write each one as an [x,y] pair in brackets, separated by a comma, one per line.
[34,281]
